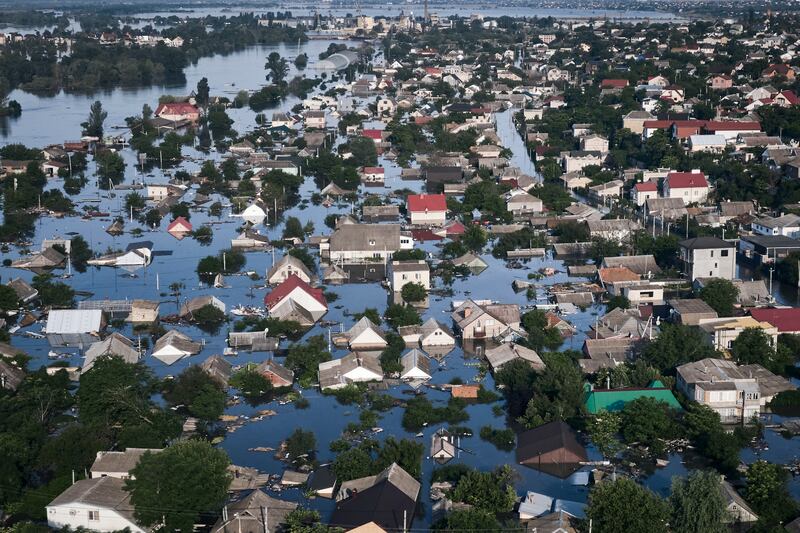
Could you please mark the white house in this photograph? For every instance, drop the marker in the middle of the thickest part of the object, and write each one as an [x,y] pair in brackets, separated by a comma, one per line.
[404,272]
[427,209]
[416,366]
[787,225]
[96,504]
[364,335]
[287,266]
[352,368]
[520,202]
[641,192]
[708,257]
[692,186]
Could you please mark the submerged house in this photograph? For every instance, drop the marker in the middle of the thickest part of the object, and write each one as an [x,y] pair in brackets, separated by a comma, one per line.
[352,368]
[294,299]
[74,327]
[388,499]
[287,266]
[173,346]
[115,345]
[597,400]
[480,320]
[254,512]
[552,448]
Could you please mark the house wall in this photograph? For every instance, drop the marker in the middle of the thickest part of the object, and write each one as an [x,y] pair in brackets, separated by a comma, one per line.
[483,327]
[689,194]
[367,339]
[432,218]
[401,279]
[285,271]
[714,263]
[77,516]
[437,338]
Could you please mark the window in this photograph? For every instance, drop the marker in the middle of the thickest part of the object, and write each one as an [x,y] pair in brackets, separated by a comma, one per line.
[712,253]
[724,253]
[94,515]
[372,242]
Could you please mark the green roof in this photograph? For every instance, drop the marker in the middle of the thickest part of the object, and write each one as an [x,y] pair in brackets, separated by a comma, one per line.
[597,400]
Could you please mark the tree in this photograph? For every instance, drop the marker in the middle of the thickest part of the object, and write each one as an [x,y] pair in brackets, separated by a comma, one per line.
[707,434]
[413,292]
[402,315]
[177,487]
[648,421]
[202,93]
[8,299]
[754,346]
[363,150]
[572,231]
[675,345]
[623,506]
[199,394]
[53,293]
[721,295]
[304,359]
[116,395]
[474,238]
[767,493]
[110,168]
[354,463]
[93,127]
[697,504]
[300,443]
[468,520]
[488,491]
[293,229]
[301,61]
[278,68]
[406,453]
[371,313]
[253,385]
[557,393]
[540,334]
[603,429]
[134,201]
[209,317]
[618,301]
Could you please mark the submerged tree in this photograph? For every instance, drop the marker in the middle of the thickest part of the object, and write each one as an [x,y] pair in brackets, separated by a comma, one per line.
[93,127]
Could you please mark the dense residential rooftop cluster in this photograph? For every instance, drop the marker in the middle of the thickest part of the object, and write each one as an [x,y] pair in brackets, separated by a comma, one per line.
[278,307]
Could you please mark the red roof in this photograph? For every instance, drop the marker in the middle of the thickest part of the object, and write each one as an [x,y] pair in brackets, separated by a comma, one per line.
[791,97]
[661,124]
[646,186]
[614,83]
[418,203]
[455,228]
[787,320]
[180,221]
[373,134]
[373,170]
[732,125]
[177,108]
[685,180]
[292,282]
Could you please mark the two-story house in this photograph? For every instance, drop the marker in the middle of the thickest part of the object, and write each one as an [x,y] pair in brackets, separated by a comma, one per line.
[708,257]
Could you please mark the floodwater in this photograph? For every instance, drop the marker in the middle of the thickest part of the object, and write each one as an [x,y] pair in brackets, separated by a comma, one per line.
[178,260]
